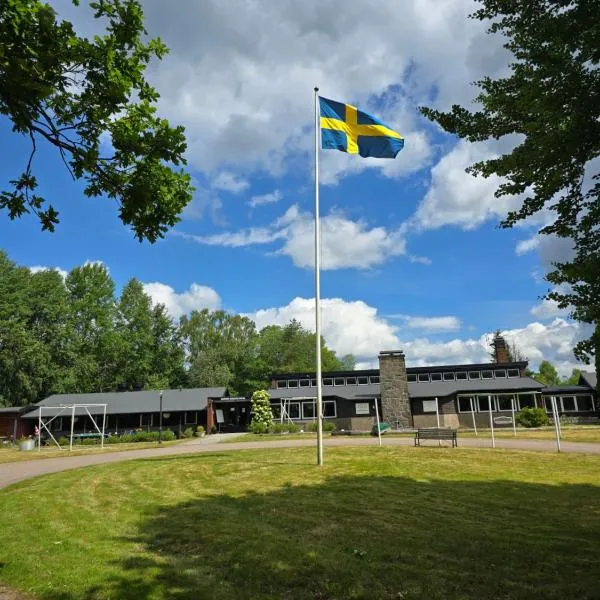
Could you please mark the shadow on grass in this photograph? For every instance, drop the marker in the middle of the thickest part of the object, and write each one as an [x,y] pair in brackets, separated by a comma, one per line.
[371,538]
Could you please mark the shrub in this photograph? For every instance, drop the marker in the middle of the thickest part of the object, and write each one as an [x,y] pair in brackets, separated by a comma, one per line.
[188,432]
[90,441]
[213,429]
[327,426]
[168,435]
[532,417]
[261,411]
[63,441]
[199,431]
[258,427]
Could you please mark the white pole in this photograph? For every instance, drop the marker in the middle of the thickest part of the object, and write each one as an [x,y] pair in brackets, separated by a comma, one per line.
[437,417]
[318,286]
[473,415]
[377,416]
[512,405]
[556,425]
[491,421]
[558,417]
[72,424]
[103,426]
[39,430]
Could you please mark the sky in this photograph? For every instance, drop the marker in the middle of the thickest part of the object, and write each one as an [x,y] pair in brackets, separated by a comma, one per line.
[412,254]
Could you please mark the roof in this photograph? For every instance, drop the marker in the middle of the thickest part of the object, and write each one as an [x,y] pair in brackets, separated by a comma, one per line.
[132,402]
[10,410]
[589,379]
[415,390]
[566,389]
[440,389]
[348,392]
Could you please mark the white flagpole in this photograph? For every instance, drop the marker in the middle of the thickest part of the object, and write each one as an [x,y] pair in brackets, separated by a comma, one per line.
[318,286]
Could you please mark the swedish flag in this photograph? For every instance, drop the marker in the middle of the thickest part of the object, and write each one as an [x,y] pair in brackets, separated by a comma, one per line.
[345,128]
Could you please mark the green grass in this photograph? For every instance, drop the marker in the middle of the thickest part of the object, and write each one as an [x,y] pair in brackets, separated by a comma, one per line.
[373,523]
[16,455]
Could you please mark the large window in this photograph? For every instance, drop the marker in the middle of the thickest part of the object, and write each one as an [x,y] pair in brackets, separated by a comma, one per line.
[505,402]
[374,379]
[448,376]
[293,383]
[499,373]
[339,381]
[411,377]
[585,404]
[474,374]
[464,404]
[351,381]
[423,377]
[362,380]
[327,381]
[526,401]
[483,403]
[282,384]
[436,377]
[190,417]
[487,374]
[568,404]
[309,410]
[460,375]
[293,410]
[276,410]
[513,372]
[329,409]
[305,383]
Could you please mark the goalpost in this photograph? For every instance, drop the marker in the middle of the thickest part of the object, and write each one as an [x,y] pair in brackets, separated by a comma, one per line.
[62,408]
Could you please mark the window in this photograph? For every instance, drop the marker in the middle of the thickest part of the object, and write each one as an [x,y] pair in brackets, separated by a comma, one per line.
[309,410]
[474,374]
[411,377]
[276,410]
[281,384]
[513,372]
[487,374]
[461,376]
[374,379]
[339,381]
[55,424]
[190,418]
[464,404]
[499,373]
[568,403]
[305,383]
[327,381]
[483,403]
[548,404]
[293,410]
[525,401]
[362,380]
[436,377]
[585,403]
[329,411]
[293,383]
[351,381]
[313,383]
[423,377]
[505,402]
[362,408]
[448,376]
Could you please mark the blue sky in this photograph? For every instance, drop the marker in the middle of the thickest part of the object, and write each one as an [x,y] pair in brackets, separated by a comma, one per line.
[413,255]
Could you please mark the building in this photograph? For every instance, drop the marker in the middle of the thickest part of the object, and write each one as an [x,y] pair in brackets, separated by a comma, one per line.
[12,424]
[464,395]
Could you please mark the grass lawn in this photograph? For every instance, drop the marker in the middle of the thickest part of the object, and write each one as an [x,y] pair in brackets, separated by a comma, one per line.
[425,523]
[15,455]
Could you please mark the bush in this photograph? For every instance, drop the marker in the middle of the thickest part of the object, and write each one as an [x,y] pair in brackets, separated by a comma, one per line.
[327,426]
[261,411]
[168,435]
[258,427]
[199,431]
[213,429]
[63,441]
[532,417]
[188,432]
[90,441]
[285,428]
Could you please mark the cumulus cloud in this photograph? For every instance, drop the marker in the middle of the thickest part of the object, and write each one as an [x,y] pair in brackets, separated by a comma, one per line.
[344,243]
[355,327]
[431,324]
[548,309]
[230,182]
[38,268]
[527,245]
[196,297]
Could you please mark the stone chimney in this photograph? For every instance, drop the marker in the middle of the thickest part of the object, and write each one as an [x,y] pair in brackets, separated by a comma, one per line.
[395,404]
[501,353]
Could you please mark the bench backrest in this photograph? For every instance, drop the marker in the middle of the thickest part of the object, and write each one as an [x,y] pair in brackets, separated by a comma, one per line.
[434,432]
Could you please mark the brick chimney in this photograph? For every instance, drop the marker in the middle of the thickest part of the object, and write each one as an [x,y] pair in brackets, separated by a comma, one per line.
[501,353]
[395,404]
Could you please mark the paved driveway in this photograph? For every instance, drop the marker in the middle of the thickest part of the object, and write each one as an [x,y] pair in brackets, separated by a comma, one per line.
[18,471]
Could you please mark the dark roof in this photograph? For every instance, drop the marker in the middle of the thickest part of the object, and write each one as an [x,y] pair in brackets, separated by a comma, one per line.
[567,389]
[347,392]
[132,402]
[440,389]
[431,369]
[11,410]
[589,379]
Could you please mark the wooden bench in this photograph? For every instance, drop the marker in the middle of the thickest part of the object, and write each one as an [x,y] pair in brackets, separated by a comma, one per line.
[435,433]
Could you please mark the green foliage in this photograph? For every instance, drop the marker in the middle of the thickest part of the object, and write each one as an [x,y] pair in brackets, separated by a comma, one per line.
[188,432]
[532,417]
[547,374]
[214,429]
[64,441]
[262,416]
[258,427]
[327,426]
[285,428]
[71,93]
[550,100]
[199,431]
[168,435]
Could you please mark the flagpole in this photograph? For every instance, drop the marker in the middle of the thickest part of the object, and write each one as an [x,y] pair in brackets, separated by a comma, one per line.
[318,287]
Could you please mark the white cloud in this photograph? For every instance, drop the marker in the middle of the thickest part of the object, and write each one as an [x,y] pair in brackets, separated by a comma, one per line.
[527,245]
[196,297]
[38,268]
[354,327]
[269,198]
[457,198]
[433,324]
[229,182]
[344,243]
[548,309]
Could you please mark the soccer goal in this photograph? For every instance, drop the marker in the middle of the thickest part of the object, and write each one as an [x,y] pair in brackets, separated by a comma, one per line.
[64,410]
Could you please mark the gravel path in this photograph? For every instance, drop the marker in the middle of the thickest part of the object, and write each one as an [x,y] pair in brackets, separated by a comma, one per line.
[14,472]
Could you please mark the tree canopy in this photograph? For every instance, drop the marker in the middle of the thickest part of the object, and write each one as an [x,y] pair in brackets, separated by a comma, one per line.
[89,100]
[549,102]
[75,336]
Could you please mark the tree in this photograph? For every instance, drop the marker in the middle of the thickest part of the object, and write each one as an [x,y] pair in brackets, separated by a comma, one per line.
[551,99]
[573,379]
[547,374]
[74,93]
[167,351]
